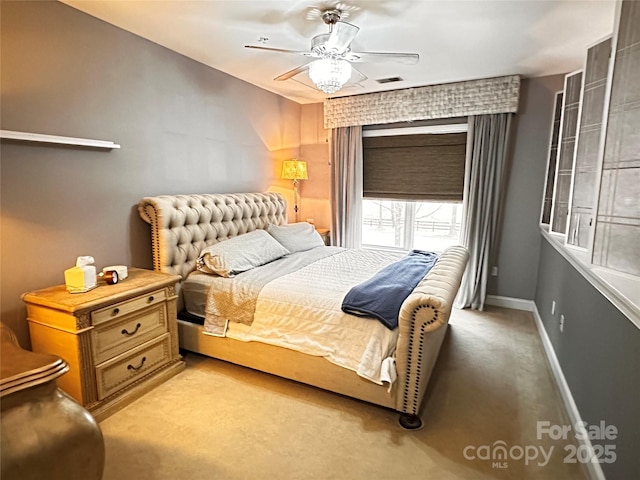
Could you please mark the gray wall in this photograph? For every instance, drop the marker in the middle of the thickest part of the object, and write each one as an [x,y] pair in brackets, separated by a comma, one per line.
[599,352]
[183,127]
[519,241]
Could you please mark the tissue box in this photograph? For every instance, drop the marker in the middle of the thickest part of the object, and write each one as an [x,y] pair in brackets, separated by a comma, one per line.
[80,279]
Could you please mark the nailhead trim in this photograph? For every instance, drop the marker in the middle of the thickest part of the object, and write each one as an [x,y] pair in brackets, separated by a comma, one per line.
[417,365]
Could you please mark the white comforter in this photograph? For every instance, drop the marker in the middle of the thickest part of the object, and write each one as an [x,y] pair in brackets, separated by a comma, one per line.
[301,311]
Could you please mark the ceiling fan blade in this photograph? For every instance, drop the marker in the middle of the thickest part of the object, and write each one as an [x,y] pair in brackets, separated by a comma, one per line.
[292,73]
[282,50]
[406,58]
[342,34]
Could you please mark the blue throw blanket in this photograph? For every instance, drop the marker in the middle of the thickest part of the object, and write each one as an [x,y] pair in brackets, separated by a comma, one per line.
[382,295]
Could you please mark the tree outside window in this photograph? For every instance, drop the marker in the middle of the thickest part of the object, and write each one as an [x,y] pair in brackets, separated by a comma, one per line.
[407,225]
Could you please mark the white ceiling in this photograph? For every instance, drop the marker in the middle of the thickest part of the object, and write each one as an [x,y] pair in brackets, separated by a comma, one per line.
[456,39]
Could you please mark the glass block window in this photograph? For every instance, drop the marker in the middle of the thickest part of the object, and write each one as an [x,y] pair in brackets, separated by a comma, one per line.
[617,236]
[592,192]
[551,161]
[585,175]
[564,167]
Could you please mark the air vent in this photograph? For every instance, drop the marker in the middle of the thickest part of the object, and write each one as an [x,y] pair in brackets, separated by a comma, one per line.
[389,80]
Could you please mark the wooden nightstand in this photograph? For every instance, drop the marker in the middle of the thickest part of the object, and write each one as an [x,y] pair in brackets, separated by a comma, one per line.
[120,341]
[325,233]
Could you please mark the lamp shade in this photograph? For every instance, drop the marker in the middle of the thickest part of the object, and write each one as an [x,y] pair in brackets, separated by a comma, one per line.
[330,74]
[294,170]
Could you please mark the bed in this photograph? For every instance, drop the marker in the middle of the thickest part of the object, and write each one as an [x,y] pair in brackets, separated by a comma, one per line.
[399,361]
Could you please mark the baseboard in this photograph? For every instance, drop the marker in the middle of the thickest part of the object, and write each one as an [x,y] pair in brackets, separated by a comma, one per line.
[510,302]
[594,470]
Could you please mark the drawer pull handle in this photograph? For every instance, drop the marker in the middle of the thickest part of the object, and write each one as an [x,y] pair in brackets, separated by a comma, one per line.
[151,299]
[116,311]
[131,334]
[131,367]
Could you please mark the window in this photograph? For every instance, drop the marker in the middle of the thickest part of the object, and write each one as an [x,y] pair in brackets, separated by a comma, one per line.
[594,207]
[413,182]
[407,225]
[585,163]
[597,226]
[551,161]
[566,152]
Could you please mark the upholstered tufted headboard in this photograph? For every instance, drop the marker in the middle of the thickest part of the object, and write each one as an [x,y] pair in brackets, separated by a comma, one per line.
[182,225]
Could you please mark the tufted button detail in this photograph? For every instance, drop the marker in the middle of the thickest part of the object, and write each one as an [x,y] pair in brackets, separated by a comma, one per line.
[182,225]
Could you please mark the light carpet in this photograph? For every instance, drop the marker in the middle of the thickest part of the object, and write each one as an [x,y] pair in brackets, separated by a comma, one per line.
[220,421]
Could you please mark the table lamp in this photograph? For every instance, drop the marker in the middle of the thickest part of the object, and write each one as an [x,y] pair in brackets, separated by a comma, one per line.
[294,170]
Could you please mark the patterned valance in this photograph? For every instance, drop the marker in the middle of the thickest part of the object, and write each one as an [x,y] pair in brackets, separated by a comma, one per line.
[448,100]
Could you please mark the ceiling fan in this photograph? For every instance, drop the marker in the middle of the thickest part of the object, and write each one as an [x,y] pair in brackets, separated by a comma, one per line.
[330,68]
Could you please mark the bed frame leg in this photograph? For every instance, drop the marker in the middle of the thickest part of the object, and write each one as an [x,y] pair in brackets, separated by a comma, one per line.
[409,421]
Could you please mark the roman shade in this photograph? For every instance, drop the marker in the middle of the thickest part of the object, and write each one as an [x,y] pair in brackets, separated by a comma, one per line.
[415,167]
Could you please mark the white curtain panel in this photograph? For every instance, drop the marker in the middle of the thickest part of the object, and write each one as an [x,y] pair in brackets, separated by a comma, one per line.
[346,186]
[487,143]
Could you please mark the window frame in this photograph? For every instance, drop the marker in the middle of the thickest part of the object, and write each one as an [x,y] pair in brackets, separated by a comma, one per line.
[588,249]
[617,286]
[409,219]
[549,147]
[410,205]
[552,218]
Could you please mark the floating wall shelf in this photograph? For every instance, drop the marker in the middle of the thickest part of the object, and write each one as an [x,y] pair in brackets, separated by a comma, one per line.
[38,137]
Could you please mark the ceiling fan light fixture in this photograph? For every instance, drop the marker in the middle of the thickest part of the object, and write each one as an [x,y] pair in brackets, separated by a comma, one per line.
[330,74]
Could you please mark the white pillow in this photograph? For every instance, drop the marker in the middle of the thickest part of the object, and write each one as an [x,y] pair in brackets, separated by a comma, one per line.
[239,254]
[296,237]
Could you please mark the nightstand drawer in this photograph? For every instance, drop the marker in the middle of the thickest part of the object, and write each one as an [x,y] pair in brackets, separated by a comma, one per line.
[117,336]
[120,340]
[119,310]
[117,373]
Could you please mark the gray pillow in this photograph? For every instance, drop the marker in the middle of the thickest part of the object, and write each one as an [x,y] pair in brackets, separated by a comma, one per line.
[239,254]
[296,237]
